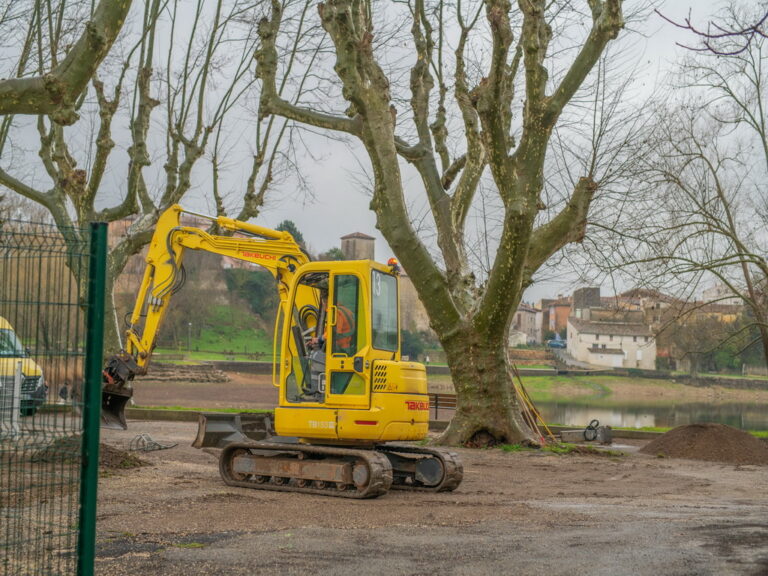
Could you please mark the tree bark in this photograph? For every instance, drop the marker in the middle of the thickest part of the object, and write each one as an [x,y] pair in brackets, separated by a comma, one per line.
[488,409]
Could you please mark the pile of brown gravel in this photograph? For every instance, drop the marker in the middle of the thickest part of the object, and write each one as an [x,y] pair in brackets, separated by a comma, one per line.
[114,458]
[710,442]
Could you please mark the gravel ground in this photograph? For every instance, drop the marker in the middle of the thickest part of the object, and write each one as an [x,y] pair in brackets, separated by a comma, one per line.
[515,513]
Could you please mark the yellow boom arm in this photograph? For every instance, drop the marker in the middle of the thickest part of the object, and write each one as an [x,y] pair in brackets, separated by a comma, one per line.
[276,251]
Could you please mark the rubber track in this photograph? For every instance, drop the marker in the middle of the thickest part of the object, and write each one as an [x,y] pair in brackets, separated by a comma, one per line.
[454,469]
[379,469]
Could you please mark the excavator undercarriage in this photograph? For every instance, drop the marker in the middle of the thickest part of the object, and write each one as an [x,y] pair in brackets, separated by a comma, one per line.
[253,457]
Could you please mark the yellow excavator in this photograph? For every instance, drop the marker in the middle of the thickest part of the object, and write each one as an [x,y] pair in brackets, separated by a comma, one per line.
[345,394]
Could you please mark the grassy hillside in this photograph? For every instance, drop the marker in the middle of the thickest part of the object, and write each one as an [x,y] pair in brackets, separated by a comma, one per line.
[226,332]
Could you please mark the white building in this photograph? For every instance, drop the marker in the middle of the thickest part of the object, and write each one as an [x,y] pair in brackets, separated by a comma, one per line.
[612,344]
[721,294]
[524,323]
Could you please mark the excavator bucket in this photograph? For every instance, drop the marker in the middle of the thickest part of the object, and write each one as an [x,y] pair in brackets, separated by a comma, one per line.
[217,429]
[113,401]
[116,390]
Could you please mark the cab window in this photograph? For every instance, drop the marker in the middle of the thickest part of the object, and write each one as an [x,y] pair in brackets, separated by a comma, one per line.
[384,309]
[346,302]
[305,381]
[10,346]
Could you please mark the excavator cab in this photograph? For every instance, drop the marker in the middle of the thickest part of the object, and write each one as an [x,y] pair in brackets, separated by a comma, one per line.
[341,376]
[327,330]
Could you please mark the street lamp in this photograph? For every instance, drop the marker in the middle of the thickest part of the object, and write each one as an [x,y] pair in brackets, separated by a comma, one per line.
[189,337]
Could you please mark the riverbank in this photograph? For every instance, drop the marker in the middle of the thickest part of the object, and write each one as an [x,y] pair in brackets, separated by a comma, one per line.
[546,387]
[564,399]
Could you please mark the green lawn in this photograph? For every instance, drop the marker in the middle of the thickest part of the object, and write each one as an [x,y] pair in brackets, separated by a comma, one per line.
[227,333]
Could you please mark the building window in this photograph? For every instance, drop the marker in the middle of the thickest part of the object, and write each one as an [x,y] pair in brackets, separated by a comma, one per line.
[603,346]
[597,337]
[634,338]
[610,337]
[646,338]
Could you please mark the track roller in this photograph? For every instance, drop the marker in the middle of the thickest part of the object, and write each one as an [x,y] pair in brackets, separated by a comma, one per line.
[423,469]
[327,470]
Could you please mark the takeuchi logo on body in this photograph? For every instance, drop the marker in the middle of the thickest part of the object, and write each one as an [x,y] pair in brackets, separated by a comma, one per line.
[259,255]
[414,405]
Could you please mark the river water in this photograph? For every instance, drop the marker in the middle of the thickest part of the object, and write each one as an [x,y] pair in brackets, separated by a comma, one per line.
[747,416]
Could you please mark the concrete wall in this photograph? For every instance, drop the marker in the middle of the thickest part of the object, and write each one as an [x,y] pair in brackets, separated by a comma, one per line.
[413,315]
[358,248]
[525,321]
[558,316]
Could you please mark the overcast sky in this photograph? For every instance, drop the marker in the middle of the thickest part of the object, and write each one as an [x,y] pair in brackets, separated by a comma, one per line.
[339,207]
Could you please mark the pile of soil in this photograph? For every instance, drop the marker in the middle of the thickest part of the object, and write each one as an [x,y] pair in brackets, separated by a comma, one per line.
[710,442]
[67,449]
[114,458]
[61,449]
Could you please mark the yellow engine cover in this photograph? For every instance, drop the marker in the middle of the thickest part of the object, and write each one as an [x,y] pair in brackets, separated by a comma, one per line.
[392,417]
[404,377]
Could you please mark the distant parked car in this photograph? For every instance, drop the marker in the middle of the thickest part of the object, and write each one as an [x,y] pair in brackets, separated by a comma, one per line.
[556,343]
[33,388]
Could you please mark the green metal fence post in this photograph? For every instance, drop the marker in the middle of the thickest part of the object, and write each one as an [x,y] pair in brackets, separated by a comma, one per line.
[97,279]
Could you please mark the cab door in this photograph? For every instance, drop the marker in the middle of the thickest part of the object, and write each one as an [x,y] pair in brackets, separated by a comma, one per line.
[347,381]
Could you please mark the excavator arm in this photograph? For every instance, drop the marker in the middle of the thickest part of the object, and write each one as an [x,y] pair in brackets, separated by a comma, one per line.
[276,251]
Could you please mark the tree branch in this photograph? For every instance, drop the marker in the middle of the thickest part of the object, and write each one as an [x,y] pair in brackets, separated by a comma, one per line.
[568,226]
[55,93]
[607,21]
[271,102]
[475,158]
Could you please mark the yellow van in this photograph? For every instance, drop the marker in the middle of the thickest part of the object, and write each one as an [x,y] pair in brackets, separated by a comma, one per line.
[33,387]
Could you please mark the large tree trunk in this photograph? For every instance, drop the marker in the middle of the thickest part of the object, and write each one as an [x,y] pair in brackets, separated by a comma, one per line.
[764,337]
[695,361]
[488,410]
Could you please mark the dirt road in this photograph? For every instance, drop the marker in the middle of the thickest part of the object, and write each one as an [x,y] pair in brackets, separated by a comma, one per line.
[515,513]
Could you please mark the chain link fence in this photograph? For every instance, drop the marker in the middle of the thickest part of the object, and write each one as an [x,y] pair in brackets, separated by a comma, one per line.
[51,313]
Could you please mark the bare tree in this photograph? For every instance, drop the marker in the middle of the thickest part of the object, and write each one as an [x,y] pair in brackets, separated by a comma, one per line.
[705,175]
[482,96]
[183,70]
[691,338]
[726,38]
[57,85]
[708,223]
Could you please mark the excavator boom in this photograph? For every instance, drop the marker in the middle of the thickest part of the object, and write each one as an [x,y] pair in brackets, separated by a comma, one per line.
[276,251]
